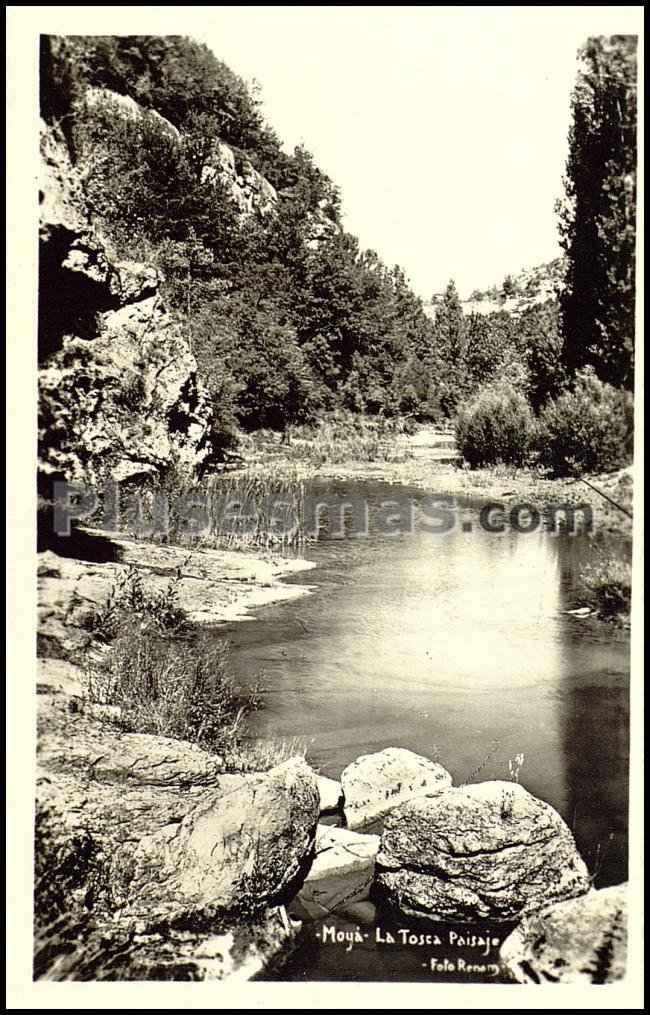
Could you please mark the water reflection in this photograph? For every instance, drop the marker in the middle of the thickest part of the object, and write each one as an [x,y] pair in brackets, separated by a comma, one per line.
[457,647]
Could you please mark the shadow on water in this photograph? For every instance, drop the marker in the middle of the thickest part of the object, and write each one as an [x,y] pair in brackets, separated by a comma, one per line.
[595,726]
[457,647]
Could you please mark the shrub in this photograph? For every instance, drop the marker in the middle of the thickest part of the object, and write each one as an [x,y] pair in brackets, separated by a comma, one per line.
[165,679]
[495,426]
[131,602]
[173,689]
[606,586]
[588,429]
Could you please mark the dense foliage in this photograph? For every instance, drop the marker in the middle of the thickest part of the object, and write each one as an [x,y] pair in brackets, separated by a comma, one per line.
[287,316]
[496,426]
[598,216]
[587,429]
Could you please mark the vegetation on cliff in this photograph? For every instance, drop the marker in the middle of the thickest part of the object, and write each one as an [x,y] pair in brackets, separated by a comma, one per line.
[288,318]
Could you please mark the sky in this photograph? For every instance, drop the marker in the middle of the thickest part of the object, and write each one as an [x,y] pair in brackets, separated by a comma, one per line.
[445,128]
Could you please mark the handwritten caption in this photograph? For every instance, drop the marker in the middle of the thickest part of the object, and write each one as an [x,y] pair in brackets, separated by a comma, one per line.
[485,946]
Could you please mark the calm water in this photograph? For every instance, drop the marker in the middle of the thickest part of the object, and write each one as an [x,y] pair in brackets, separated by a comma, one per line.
[459,648]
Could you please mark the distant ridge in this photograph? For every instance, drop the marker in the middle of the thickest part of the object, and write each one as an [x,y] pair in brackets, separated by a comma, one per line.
[516,294]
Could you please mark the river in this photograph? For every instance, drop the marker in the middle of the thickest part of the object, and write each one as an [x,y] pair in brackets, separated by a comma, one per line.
[460,648]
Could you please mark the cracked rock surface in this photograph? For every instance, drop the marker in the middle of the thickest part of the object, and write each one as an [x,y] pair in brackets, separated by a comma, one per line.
[578,941]
[489,851]
[176,834]
[161,863]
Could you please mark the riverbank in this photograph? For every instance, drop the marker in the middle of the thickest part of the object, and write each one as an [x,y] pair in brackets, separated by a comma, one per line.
[428,459]
[113,796]
[210,585]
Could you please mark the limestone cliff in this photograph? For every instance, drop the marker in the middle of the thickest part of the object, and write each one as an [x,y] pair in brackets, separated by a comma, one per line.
[251,192]
[118,388]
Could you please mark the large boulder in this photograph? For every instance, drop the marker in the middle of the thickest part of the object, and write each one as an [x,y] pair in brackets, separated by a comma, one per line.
[76,941]
[231,952]
[490,851]
[374,784]
[581,940]
[176,834]
[243,845]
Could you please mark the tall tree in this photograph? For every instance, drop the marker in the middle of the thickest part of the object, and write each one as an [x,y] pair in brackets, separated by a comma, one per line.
[450,349]
[597,219]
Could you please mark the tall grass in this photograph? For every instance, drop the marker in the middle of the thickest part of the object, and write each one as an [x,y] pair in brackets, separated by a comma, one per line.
[339,439]
[261,507]
[169,679]
[174,689]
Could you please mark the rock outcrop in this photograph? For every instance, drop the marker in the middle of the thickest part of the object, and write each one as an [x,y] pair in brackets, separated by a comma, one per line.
[79,936]
[146,845]
[581,940]
[251,192]
[118,390]
[209,585]
[128,108]
[375,784]
[489,851]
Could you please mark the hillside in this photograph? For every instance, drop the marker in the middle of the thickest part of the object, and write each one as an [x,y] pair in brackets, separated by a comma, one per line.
[517,293]
[162,159]
[197,281]
[530,287]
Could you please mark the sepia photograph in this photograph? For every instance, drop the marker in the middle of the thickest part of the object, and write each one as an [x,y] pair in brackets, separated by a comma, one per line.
[325,494]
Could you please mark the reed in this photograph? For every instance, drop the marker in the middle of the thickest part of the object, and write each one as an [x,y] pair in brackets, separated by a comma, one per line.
[258,508]
[261,507]
[336,440]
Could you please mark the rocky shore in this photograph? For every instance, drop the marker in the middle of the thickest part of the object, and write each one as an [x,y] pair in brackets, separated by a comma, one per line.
[122,817]
[211,586]
[156,862]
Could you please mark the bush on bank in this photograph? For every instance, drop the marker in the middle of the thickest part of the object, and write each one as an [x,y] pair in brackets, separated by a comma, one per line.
[587,429]
[497,425]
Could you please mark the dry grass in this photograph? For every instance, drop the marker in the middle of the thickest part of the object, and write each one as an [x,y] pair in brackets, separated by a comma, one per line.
[339,439]
[165,678]
[170,688]
[263,755]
